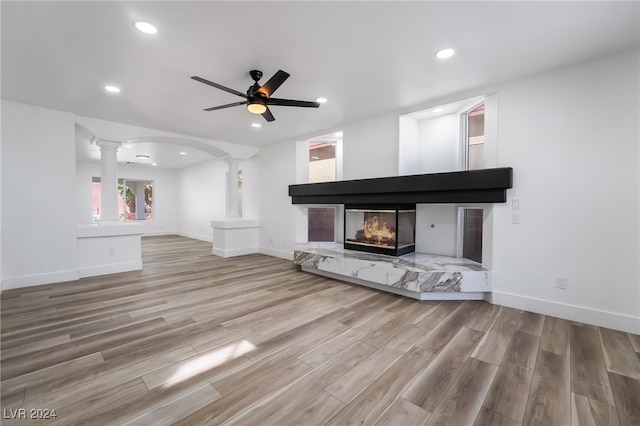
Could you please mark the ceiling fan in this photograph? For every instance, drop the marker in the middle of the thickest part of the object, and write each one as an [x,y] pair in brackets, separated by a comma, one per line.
[258,98]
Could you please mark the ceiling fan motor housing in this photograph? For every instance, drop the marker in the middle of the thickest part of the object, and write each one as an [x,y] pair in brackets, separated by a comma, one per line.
[255,75]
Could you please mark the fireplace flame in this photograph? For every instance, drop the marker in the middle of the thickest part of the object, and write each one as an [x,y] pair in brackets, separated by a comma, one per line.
[383,234]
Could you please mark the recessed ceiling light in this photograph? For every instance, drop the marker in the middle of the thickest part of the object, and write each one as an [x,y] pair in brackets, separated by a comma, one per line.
[183,153]
[445,53]
[154,164]
[321,100]
[438,109]
[112,89]
[146,27]
[256,125]
[143,157]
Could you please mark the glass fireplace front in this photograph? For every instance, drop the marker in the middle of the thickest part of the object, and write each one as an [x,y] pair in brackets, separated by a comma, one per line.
[380,229]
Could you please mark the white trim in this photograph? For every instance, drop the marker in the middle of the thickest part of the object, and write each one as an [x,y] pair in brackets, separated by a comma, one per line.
[207,238]
[159,233]
[460,231]
[233,252]
[114,268]
[569,312]
[39,279]
[235,223]
[283,254]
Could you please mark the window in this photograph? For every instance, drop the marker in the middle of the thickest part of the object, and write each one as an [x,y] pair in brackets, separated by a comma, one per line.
[135,199]
[322,161]
[474,145]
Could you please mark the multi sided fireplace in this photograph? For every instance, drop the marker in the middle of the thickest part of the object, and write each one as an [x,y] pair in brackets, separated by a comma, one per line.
[385,229]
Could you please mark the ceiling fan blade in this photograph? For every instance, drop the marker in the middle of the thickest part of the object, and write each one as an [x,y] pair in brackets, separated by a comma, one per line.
[218,86]
[226,106]
[274,82]
[268,116]
[291,102]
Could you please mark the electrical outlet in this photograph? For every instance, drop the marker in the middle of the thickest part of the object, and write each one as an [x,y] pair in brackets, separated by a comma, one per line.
[515,203]
[111,251]
[561,282]
[515,218]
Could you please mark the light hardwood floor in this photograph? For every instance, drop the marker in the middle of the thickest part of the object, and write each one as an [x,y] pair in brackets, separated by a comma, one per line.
[195,339]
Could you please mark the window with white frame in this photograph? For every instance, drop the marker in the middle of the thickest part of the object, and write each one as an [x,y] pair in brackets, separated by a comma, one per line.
[135,199]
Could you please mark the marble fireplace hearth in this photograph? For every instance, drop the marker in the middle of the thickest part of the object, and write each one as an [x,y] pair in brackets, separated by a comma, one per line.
[417,275]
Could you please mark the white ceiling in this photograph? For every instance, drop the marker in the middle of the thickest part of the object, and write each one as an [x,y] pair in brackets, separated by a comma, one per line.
[367,58]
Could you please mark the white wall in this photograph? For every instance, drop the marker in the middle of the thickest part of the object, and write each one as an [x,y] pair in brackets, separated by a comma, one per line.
[441,238]
[571,137]
[201,198]
[38,181]
[165,194]
[439,144]
[370,148]
[276,166]
[408,146]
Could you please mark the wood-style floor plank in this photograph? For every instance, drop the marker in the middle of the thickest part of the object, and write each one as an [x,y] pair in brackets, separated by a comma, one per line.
[549,396]
[585,411]
[618,353]
[252,340]
[509,392]
[463,401]
[369,406]
[305,388]
[555,336]
[347,387]
[178,408]
[443,370]
[402,412]
[588,369]
[635,341]
[490,418]
[626,392]
[493,346]
[531,323]
[316,411]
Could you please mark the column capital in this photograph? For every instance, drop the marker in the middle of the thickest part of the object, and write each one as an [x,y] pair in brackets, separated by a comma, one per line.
[108,145]
[231,160]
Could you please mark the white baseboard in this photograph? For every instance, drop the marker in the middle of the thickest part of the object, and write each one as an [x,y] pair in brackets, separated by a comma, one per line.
[582,314]
[207,238]
[159,233]
[39,279]
[114,268]
[233,252]
[283,254]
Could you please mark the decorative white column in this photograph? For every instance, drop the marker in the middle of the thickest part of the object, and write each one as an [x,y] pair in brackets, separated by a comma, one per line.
[108,180]
[140,200]
[233,195]
[234,235]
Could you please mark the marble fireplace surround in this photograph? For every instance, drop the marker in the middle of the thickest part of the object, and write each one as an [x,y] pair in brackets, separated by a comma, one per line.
[419,275]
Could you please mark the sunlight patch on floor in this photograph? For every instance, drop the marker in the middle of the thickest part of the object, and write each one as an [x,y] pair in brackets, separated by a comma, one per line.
[205,362]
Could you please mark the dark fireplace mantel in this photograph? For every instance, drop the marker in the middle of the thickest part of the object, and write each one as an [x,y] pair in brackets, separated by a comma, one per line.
[470,186]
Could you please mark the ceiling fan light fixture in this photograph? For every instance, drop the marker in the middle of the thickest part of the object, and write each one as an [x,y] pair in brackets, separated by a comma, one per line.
[256,107]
